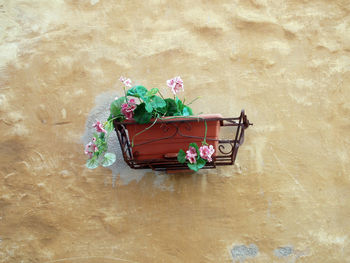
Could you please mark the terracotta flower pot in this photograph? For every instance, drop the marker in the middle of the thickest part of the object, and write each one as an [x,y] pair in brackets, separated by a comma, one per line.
[167,136]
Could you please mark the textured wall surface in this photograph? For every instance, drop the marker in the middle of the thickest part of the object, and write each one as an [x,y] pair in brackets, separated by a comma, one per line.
[286,63]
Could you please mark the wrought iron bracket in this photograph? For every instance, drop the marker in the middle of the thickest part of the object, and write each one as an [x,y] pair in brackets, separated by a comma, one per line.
[226,151]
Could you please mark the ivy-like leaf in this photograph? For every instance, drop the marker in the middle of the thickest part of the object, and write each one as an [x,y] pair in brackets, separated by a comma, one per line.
[149,107]
[163,111]
[157,102]
[187,111]
[171,107]
[108,159]
[152,92]
[92,163]
[181,156]
[141,115]
[198,165]
[132,92]
[141,90]
[179,104]
[137,91]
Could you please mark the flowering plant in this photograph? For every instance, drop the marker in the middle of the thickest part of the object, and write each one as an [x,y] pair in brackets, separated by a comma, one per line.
[141,105]
[196,157]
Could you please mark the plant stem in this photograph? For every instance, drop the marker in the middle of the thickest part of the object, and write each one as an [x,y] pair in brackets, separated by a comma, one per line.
[160,94]
[125,95]
[181,117]
[193,101]
[205,133]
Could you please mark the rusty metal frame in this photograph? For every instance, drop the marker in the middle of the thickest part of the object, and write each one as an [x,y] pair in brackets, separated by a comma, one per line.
[227,148]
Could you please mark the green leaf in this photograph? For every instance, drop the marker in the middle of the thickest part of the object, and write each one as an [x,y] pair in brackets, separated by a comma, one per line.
[141,90]
[92,163]
[181,156]
[137,91]
[187,111]
[162,111]
[141,115]
[157,102]
[201,163]
[132,92]
[180,105]
[198,165]
[171,107]
[149,107]
[116,106]
[108,159]
[193,166]
[152,92]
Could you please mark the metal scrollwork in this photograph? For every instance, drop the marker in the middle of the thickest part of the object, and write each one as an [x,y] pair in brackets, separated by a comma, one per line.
[222,148]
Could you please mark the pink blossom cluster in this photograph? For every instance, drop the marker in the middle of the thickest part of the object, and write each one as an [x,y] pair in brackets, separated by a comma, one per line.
[90,148]
[99,127]
[191,155]
[206,152]
[128,109]
[176,84]
[125,81]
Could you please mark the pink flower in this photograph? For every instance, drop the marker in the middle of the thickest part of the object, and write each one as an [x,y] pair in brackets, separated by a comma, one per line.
[90,148]
[87,150]
[192,159]
[192,151]
[128,109]
[94,147]
[206,152]
[176,84]
[99,127]
[191,154]
[125,81]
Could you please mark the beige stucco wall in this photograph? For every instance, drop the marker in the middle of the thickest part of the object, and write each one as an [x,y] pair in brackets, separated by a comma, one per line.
[285,62]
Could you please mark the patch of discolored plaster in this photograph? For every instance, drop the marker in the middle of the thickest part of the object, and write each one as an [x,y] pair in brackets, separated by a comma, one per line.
[283,251]
[241,252]
[160,183]
[290,254]
[94,2]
